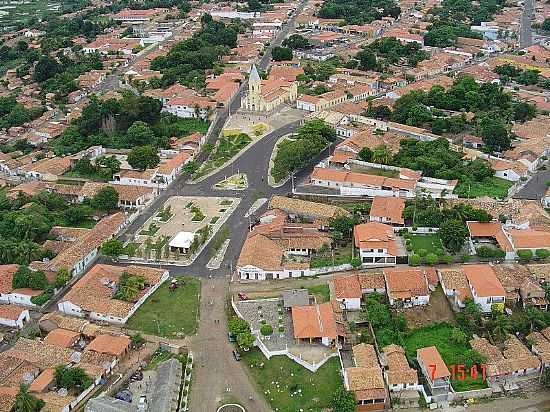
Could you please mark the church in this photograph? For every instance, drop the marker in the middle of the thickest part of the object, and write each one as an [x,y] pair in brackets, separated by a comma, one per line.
[267,95]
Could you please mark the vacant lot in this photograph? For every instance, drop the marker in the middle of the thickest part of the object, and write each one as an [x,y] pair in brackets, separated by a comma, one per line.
[289,387]
[493,187]
[170,314]
[321,293]
[431,243]
[453,353]
[439,310]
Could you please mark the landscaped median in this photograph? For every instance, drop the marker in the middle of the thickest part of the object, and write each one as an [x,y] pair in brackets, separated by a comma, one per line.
[226,148]
[170,312]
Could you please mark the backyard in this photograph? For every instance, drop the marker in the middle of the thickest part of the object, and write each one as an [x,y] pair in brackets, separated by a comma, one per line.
[430,243]
[453,351]
[289,387]
[167,313]
[338,256]
[494,187]
[321,292]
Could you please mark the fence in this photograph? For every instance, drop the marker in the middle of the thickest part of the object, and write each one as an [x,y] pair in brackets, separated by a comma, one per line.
[474,394]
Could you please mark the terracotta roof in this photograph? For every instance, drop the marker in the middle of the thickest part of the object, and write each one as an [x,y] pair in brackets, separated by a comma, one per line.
[398,369]
[529,238]
[42,354]
[262,252]
[375,235]
[11,312]
[6,277]
[346,287]
[7,397]
[303,207]
[372,280]
[109,344]
[484,280]
[92,292]
[365,355]
[404,283]
[335,175]
[367,383]
[391,207]
[430,356]
[314,321]
[490,229]
[42,381]
[62,337]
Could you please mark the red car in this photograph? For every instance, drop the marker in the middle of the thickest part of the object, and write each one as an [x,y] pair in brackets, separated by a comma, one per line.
[242,296]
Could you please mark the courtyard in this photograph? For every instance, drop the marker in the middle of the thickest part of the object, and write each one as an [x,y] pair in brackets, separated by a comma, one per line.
[181,227]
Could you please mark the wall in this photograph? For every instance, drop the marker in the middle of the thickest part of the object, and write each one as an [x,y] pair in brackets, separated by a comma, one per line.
[476,394]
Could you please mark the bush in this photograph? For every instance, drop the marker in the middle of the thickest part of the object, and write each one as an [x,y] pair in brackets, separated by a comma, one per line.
[266,329]
[356,262]
[542,253]
[422,252]
[409,247]
[466,258]
[525,255]
[486,252]
[446,259]
[439,252]
[431,259]
[415,260]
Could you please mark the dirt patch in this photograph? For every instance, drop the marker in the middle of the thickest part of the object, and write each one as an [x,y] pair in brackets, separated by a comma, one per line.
[439,310]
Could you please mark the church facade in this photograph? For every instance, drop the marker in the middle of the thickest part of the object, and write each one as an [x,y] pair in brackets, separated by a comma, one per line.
[267,95]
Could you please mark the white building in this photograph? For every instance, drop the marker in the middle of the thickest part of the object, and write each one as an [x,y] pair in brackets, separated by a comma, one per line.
[377,244]
[14,316]
[485,287]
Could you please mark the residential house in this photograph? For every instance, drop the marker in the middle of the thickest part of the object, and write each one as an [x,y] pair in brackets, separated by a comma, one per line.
[540,345]
[377,243]
[486,289]
[14,296]
[490,234]
[316,323]
[397,371]
[93,296]
[312,211]
[455,285]
[47,169]
[346,290]
[189,107]
[435,372]
[365,379]
[14,316]
[407,287]
[387,210]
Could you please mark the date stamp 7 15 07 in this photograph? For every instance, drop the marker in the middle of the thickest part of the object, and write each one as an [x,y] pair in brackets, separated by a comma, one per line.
[461,372]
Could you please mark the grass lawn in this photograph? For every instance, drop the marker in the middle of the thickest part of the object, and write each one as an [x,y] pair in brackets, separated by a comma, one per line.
[374,171]
[430,242]
[452,353]
[341,255]
[298,389]
[493,187]
[162,355]
[321,292]
[168,313]
[226,149]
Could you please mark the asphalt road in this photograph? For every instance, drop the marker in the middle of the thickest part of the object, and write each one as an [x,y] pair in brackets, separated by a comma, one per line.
[535,188]
[526,33]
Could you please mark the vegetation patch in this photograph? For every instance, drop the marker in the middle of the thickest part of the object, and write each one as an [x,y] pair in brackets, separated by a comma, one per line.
[169,313]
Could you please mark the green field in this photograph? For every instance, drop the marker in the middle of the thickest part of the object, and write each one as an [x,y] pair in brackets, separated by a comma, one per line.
[168,314]
[289,387]
[453,353]
[493,187]
[431,243]
[321,292]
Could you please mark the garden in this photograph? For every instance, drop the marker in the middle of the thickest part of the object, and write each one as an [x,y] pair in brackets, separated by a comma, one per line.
[170,313]
[289,387]
[426,249]
[226,148]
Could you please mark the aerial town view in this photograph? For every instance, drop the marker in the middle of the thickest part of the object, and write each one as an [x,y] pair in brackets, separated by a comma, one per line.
[274,205]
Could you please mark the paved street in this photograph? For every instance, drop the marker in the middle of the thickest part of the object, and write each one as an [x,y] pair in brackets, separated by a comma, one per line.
[535,188]
[526,33]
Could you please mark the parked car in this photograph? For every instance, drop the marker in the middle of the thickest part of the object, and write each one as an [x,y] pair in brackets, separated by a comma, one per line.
[124,395]
[242,296]
[236,355]
[231,338]
[137,376]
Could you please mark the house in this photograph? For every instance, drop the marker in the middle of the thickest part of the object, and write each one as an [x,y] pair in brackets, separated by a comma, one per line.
[365,379]
[47,169]
[316,323]
[529,239]
[455,285]
[486,289]
[514,360]
[62,337]
[322,102]
[398,373]
[113,345]
[540,345]
[407,287]
[346,290]
[435,371]
[313,211]
[189,107]
[377,243]
[83,251]
[93,296]
[10,296]
[387,210]
[489,234]
[14,316]
[512,171]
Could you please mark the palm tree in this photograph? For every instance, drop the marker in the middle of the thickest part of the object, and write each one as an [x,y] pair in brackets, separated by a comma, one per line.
[381,154]
[535,317]
[500,327]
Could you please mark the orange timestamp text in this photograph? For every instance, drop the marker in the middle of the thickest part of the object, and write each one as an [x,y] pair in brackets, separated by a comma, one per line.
[461,372]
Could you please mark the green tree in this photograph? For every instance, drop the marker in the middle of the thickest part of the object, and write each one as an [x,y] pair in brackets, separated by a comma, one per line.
[546,24]
[459,337]
[62,277]
[245,340]
[106,199]
[69,378]
[494,134]
[525,255]
[281,53]
[382,154]
[453,234]
[46,68]
[524,111]
[500,326]
[112,248]
[367,60]
[266,329]
[237,326]
[343,400]
[25,402]
[143,157]
[296,41]
[140,134]
[344,225]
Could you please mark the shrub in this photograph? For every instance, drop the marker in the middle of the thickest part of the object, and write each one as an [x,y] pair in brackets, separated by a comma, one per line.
[266,330]
[422,252]
[446,259]
[409,247]
[281,328]
[415,260]
[542,253]
[356,262]
[466,258]
[525,255]
[414,228]
[431,259]
[439,252]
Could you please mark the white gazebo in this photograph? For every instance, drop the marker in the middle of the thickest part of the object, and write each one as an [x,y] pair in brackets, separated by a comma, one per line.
[182,242]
